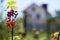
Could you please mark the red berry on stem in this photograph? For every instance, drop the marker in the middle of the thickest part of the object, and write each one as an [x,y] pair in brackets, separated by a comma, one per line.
[7,24]
[14,23]
[11,23]
[8,20]
[12,11]
[14,26]
[9,15]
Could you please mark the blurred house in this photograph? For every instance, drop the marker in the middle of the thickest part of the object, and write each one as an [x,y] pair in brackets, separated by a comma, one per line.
[36,17]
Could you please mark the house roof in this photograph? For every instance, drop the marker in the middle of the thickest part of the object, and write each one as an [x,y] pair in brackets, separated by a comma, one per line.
[25,11]
[44,6]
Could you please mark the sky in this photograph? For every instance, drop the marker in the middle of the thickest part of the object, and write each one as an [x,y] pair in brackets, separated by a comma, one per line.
[53,5]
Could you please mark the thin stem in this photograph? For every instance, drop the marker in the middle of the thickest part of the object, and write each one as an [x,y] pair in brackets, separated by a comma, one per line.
[12,28]
[12,32]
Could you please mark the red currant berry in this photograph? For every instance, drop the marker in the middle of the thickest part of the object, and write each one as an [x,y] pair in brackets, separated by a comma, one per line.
[12,11]
[7,24]
[14,26]
[8,20]
[9,15]
[13,23]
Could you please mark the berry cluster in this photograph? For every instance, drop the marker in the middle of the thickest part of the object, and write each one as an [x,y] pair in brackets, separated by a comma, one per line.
[10,20]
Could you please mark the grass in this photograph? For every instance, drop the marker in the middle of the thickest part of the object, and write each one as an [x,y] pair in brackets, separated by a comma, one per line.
[42,36]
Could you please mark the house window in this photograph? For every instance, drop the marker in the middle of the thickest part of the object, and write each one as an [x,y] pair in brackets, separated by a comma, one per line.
[33,8]
[38,16]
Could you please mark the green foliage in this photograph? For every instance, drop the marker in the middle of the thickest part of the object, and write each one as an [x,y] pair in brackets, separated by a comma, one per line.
[4,35]
[58,13]
[55,22]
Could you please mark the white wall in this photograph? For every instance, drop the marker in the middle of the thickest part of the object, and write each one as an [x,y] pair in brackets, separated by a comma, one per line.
[41,12]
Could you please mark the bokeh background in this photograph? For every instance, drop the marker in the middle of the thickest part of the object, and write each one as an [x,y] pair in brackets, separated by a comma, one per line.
[54,19]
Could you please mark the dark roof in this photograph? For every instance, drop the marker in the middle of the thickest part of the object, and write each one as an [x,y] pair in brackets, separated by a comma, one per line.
[25,11]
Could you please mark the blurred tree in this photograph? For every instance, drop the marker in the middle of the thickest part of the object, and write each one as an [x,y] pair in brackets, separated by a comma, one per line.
[19,26]
[55,22]
[3,29]
[58,13]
